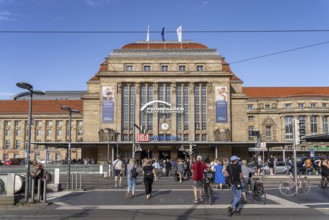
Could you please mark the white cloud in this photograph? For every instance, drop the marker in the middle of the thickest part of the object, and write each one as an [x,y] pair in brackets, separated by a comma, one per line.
[6,16]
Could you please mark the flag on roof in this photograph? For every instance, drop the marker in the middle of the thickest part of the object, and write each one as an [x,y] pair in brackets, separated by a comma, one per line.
[148,33]
[179,33]
[163,34]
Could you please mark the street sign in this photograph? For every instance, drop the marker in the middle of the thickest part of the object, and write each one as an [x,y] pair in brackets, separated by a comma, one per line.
[143,137]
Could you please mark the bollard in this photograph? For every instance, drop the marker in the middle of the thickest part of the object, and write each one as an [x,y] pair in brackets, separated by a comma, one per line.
[76,180]
[80,180]
[39,190]
[44,191]
[32,190]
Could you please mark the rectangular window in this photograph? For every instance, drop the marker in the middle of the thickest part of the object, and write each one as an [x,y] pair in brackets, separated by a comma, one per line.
[164,68]
[18,144]
[314,124]
[129,68]
[146,95]
[199,68]
[59,132]
[186,137]
[313,105]
[7,132]
[182,99]
[7,123]
[300,105]
[288,106]
[267,106]
[302,128]
[325,124]
[250,118]
[7,144]
[49,123]
[250,133]
[39,132]
[17,123]
[250,107]
[38,123]
[324,105]
[128,109]
[48,132]
[288,128]
[59,123]
[80,132]
[268,133]
[18,132]
[181,68]
[200,105]
[80,123]
[147,68]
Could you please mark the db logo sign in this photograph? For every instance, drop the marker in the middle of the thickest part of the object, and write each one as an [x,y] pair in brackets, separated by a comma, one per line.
[143,137]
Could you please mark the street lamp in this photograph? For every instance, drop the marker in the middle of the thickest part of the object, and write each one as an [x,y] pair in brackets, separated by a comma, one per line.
[70,110]
[108,131]
[27,86]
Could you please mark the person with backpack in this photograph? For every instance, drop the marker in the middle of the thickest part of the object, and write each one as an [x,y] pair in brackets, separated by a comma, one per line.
[148,176]
[308,165]
[38,175]
[132,174]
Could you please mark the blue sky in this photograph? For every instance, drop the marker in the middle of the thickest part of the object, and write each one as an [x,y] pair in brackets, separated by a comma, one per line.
[57,61]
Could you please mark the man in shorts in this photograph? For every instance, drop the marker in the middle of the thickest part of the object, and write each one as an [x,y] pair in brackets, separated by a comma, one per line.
[117,166]
[197,177]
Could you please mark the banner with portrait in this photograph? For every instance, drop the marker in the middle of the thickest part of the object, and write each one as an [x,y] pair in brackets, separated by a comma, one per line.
[107,104]
[221,104]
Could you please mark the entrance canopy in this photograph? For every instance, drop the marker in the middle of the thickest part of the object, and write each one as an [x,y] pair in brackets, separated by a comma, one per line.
[317,138]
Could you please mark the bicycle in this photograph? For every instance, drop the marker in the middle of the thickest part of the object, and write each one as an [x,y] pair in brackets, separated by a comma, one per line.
[257,190]
[290,188]
[324,181]
[207,181]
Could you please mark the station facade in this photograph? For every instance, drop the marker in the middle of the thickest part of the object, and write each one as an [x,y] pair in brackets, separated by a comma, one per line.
[163,99]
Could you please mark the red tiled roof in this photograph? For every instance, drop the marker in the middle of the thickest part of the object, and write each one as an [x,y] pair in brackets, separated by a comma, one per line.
[143,46]
[38,106]
[279,92]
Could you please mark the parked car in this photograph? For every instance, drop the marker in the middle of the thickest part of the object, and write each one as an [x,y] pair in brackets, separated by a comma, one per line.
[280,167]
[13,161]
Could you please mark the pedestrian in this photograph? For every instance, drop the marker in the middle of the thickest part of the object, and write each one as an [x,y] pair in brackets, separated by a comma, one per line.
[197,177]
[187,170]
[235,174]
[131,181]
[308,165]
[259,164]
[38,175]
[246,172]
[118,170]
[148,175]
[275,164]
[219,170]
[168,166]
[180,169]
[270,162]
[157,167]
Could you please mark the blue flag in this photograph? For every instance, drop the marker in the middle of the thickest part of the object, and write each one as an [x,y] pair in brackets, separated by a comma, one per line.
[163,34]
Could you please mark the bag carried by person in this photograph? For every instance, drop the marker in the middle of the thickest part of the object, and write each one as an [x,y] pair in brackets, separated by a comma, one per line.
[47,176]
[148,172]
[133,173]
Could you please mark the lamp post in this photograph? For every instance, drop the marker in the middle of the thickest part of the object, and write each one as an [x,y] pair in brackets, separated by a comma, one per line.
[29,87]
[108,131]
[116,138]
[70,110]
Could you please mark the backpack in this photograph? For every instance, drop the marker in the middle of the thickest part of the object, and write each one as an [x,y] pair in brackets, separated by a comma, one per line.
[47,176]
[133,173]
[308,163]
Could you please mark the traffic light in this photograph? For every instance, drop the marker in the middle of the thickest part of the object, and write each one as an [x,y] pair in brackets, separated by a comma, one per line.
[296,132]
[194,150]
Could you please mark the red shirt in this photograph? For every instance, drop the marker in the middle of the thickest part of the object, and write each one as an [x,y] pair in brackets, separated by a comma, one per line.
[198,169]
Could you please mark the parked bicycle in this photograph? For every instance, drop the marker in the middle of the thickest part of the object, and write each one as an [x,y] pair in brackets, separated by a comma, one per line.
[257,190]
[290,188]
[207,181]
[324,181]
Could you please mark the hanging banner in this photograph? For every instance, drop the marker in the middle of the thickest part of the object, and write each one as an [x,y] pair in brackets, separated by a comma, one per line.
[108,104]
[221,104]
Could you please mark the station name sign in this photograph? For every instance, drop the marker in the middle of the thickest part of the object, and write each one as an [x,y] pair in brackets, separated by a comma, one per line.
[148,108]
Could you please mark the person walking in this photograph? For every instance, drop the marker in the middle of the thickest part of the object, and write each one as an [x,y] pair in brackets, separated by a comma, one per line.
[131,181]
[148,175]
[219,170]
[236,178]
[246,172]
[270,163]
[197,177]
[180,169]
[118,169]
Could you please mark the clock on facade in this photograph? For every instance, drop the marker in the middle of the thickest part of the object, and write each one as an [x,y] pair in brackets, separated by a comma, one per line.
[165,126]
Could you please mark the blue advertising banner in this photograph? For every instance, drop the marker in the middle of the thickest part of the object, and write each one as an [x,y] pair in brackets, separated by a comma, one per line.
[221,104]
[108,104]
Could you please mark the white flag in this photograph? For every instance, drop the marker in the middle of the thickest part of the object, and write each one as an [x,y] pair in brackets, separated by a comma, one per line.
[179,33]
[148,34]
